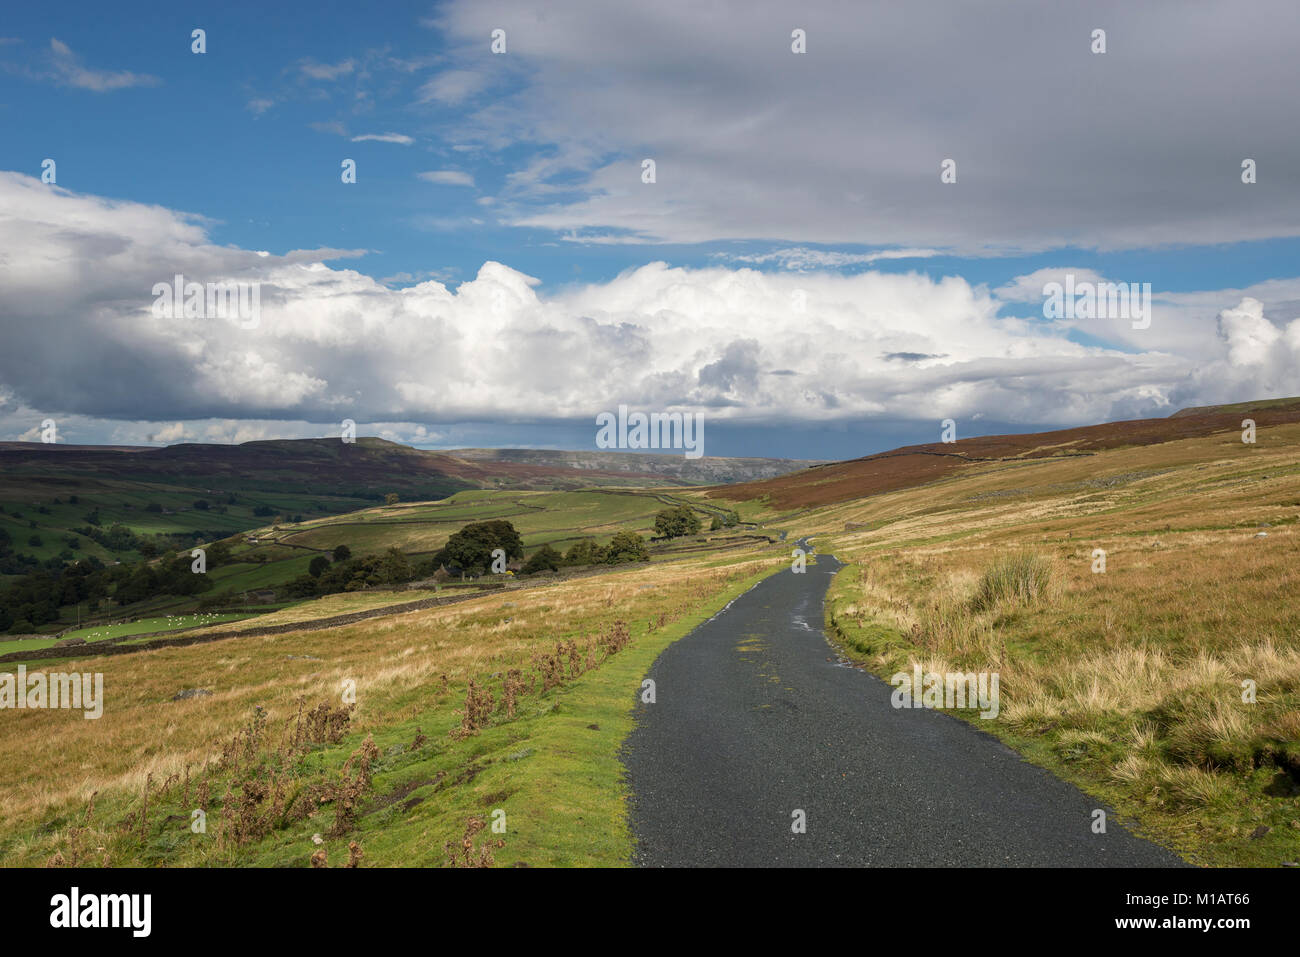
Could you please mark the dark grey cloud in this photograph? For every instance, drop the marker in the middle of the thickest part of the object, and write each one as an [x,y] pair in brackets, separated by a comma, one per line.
[737,369]
[912,356]
[1054,145]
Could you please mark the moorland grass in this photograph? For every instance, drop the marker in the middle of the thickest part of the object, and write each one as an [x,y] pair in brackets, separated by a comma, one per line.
[552,767]
[1128,681]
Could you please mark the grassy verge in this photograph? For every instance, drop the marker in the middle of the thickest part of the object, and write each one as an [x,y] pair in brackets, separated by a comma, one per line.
[273,760]
[1150,721]
[554,771]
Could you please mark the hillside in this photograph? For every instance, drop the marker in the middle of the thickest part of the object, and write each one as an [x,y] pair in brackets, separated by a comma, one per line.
[369,467]
[203,492]
[1235,408]
[119,506]
[249,572]
[673,469]
[915,465]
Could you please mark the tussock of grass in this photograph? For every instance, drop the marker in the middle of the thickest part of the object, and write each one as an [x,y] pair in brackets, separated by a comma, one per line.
[1176,787]
[1019,580]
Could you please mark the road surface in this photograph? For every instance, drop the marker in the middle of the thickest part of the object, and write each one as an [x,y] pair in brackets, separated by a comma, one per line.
[755,719]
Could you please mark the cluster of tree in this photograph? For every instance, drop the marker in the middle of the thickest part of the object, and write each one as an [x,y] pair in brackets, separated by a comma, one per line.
[34,599]
[16,563]
[470,549]
[170,575]
[393,567]
[118,538]
[675,522]
[624,547]
[726,520]
[266,511]
[545,559]
[42,588]
[11,562]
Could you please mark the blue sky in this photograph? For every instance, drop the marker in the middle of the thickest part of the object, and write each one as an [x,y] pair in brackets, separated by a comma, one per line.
[801,168]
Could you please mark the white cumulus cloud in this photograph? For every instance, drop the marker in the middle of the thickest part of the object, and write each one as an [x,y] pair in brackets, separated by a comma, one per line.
[78,338]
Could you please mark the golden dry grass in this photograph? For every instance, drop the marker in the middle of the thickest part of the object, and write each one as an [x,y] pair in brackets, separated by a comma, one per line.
[1131,678]
[55,760]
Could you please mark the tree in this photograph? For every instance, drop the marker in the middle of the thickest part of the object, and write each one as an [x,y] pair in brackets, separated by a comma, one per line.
[218,554]
[120,539]
[35,541]
[544,559]
[391,498]
[471,548]
[342,553]
[201,504]
[585,552]
[674,522]
[725,520]
[627,547]
[318,565]
[395,567]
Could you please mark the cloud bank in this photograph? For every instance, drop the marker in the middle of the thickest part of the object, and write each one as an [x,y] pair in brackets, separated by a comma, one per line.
[79,338]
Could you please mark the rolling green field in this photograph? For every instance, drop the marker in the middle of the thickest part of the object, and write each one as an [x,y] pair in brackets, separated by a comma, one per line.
[265,558]
[147,625]
[555,518]
[123,629]
[126,504]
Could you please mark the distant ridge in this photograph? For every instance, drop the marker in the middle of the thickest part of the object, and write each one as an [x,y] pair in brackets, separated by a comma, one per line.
[366,467]
[1237,407]
[707,470]
[914,465]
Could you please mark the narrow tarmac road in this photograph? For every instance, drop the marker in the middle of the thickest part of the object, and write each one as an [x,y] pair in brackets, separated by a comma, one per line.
[754,720]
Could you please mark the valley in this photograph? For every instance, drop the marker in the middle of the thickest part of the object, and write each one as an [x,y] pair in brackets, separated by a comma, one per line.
[515,694]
